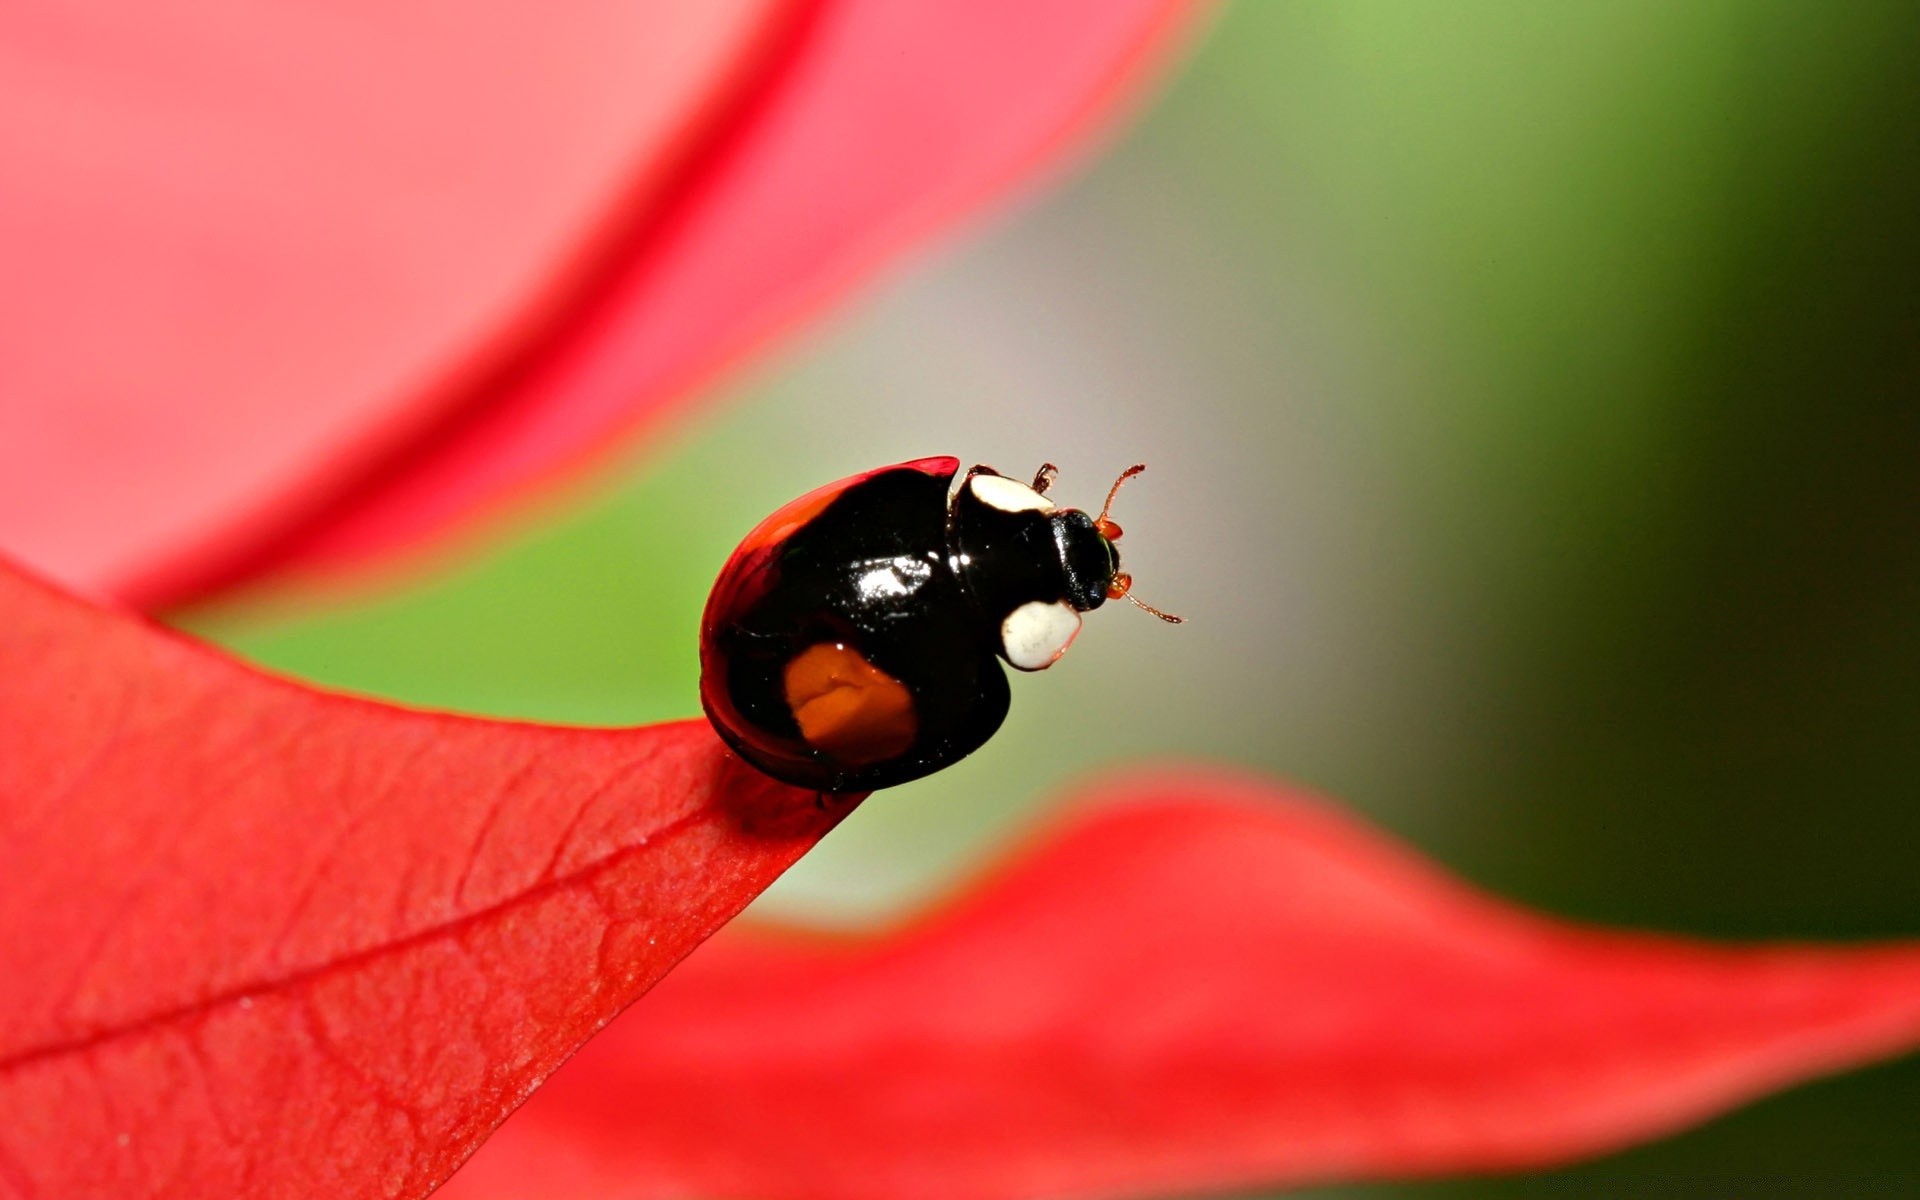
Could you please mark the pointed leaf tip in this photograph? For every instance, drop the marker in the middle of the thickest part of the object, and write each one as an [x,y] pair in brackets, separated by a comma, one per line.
[1212,984]
[262,940]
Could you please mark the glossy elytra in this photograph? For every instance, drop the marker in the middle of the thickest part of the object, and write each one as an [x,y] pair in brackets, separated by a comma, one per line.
[851,641]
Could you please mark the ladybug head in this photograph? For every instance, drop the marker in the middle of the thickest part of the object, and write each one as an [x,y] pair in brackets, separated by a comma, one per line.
[1093,560]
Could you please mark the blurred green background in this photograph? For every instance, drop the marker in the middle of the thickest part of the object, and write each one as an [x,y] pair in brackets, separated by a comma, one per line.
[1532,394]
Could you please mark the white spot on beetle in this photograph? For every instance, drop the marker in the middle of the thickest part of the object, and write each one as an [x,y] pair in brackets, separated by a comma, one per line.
[1007,495]
[1036,634]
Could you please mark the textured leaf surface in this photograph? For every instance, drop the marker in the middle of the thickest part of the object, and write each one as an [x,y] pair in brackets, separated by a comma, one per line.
[1204,984]
[300,283]
[259,940]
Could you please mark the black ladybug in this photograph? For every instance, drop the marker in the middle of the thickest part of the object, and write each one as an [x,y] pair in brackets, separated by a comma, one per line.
[849,642]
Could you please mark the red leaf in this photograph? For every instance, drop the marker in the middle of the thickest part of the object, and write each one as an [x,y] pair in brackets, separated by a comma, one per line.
[400,263]
[889,121]
[259,940]
[1216,985]
[253,249]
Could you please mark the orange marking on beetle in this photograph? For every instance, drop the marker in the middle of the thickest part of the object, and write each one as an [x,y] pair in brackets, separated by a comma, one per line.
[848,707]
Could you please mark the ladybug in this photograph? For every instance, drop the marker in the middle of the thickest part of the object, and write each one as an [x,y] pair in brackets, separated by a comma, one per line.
[850,641]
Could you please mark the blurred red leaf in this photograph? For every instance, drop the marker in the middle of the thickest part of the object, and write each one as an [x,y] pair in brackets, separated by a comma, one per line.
[300,286]
[259,940]
[887,122]
[252,249]
[1213,985]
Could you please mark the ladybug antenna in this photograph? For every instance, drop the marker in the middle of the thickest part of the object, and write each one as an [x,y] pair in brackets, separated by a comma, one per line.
[1122,589]
[1107,528]
[1168,617]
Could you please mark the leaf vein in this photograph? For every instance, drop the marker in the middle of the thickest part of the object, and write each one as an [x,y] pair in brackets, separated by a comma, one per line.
[584,877]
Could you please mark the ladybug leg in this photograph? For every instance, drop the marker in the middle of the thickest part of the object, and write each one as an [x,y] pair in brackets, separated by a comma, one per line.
[1044,477]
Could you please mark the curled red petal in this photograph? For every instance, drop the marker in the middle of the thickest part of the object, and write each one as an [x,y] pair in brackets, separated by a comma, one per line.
[253,250]
[300,287]
[1205,984]
[260,940]
[887,122]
